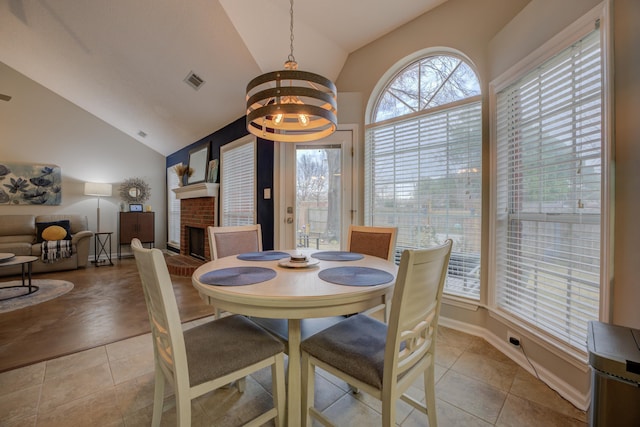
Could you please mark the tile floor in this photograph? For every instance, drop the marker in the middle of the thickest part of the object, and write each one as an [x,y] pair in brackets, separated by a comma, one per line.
[112,385]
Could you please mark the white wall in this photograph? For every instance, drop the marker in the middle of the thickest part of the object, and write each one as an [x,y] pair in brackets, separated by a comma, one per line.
[625,286]
[538,22]
[38,126]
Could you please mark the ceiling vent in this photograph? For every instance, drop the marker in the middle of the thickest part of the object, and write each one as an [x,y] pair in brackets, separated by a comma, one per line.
[194,80]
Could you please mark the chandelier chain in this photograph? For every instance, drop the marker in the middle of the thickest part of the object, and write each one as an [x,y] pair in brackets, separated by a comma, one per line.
[291,57]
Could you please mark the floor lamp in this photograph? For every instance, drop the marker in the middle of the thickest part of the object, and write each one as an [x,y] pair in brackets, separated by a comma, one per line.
[99,190]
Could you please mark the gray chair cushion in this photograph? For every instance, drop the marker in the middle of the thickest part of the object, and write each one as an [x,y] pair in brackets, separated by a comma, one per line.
[354,346]
[233,335]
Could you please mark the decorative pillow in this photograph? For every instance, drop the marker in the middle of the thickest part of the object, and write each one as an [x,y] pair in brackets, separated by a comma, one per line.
[41,227]
[54,232]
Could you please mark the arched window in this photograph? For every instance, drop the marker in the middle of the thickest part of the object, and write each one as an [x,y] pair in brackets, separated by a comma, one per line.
[423,160]
[426,84]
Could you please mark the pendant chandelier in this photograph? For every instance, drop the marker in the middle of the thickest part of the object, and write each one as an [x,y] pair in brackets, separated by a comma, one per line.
[291,105]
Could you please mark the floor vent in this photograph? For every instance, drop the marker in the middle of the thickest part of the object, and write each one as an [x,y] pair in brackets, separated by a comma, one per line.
[194,80]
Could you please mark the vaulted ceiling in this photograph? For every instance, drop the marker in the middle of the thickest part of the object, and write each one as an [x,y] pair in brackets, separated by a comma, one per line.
[125,61]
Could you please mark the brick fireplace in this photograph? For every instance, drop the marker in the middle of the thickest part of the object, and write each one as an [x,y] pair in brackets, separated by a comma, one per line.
[198,210]
[198,213]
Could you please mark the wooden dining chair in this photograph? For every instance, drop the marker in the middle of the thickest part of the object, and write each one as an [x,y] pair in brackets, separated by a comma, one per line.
[208,356]
[234,240]
[376,241]
[385,359]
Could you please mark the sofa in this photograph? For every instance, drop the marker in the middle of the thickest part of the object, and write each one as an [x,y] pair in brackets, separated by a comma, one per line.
[19,234]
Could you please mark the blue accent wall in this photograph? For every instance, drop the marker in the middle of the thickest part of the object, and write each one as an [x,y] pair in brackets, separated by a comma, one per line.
[264,178]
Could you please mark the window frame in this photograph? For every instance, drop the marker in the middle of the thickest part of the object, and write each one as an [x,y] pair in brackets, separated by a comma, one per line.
[555,45]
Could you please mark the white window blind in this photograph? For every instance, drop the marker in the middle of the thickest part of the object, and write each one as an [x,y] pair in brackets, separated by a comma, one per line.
[238,183]
[423,175]
[548,198]
[173,210]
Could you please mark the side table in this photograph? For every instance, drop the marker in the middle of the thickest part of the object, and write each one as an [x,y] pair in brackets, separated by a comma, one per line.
[102,246]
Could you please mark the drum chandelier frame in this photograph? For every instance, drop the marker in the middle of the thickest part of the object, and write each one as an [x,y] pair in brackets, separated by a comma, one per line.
[291,105]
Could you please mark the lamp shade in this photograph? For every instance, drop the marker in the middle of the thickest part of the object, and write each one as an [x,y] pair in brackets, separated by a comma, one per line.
[97,189]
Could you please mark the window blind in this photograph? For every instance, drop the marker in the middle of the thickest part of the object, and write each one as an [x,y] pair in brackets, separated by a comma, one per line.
[423,175]
[173,208]
[548,198]
[238,184]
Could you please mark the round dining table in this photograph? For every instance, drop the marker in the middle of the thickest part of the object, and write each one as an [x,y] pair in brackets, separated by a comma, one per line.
[283,289]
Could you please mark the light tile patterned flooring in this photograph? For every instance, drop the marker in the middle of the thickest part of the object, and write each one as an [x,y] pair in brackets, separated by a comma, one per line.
[112,385]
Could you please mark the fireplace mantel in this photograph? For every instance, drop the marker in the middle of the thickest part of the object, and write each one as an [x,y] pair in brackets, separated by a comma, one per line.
[201,189]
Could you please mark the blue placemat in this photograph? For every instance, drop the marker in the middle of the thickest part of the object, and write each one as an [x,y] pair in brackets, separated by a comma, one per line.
[337,256]
[263,256]
[238,276]
[355,276]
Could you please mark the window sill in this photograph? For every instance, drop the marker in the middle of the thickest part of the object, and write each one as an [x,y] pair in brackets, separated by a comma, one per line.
[465,303]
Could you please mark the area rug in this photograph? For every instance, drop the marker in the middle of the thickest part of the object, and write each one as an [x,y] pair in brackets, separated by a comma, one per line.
[48,290]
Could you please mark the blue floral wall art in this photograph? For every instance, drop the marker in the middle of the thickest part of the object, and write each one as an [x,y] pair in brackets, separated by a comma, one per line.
[30,184]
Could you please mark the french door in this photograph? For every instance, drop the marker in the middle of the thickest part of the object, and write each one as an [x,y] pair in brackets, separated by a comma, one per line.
[315,204]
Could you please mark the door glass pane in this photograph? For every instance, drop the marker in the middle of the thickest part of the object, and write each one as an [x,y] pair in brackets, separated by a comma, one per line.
[318,196]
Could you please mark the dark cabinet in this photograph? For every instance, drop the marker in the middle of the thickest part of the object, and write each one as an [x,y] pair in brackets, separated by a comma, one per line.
[136,224]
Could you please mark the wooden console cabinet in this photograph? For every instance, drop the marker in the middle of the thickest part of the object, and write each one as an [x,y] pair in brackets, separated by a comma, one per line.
[136,224]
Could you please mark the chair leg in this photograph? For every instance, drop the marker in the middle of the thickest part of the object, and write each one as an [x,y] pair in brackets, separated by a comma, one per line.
[387,308]
[388,411]
[241,384]
[430,395]
[278,389]
[158,397]
[183,408]
[308,389]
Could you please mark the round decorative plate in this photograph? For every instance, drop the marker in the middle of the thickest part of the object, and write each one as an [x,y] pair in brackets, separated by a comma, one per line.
[288,263]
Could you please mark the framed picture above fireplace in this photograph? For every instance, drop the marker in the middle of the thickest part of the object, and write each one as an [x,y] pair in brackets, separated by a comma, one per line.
[199,162]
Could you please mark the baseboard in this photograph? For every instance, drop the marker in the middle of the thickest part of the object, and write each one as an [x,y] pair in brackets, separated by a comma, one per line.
[564,389]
